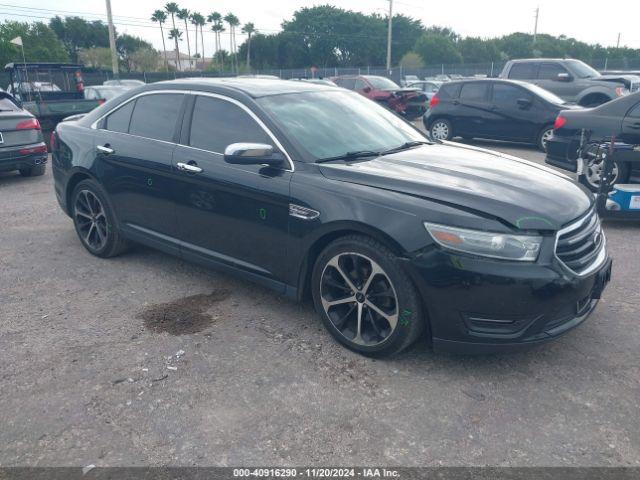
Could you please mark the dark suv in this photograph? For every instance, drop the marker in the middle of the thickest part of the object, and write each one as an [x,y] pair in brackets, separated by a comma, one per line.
[313,190]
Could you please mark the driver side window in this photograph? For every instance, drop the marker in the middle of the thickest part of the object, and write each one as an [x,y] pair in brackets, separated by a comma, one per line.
[216,123]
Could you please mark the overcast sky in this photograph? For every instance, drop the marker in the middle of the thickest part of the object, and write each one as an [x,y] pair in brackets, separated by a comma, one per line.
[585,20]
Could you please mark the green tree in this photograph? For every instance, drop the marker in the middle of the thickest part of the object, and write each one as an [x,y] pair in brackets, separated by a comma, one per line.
[160,17]
[411,60]
[249,29]
[77,33]
[183,14]
[172,9]
[128,44]
[40,43]
[435,49]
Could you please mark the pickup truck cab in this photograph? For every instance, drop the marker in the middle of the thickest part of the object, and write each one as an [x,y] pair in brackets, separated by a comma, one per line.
[572,80]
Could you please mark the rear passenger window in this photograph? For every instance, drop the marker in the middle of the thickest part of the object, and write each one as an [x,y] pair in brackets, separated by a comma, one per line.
[550,71]
[475,92]
[635,111]
[216,124]
[523,71]
[504,94]
[118,121]
[155,116]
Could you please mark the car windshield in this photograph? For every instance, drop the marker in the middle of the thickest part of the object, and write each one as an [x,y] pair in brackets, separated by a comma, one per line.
[333,123]
[582,70]
[545,94]
[382,83]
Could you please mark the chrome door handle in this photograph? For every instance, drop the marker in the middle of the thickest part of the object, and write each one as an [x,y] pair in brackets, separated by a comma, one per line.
[104,149]
[186,167]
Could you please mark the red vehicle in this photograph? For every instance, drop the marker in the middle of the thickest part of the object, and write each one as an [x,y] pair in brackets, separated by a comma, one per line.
[408,102]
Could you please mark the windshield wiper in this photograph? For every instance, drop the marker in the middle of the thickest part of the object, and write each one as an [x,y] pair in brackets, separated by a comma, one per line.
[405,146]
[350,156]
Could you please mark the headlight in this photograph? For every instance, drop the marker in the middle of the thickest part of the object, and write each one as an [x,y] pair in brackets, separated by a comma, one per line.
[522,248]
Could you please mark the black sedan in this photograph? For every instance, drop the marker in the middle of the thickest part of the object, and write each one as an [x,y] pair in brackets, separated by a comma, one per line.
[318,192]
[22,146]
[619,119]
[493,109]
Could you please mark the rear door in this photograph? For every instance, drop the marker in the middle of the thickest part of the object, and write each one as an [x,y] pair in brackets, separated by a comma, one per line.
[631,126]
[510,120]
[473,111]
[134,149]
[235,215]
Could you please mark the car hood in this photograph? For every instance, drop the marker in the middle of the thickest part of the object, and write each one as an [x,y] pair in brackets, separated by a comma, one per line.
[521,193]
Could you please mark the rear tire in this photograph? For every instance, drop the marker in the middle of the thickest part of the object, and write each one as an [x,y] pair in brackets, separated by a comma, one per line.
[94,220]
[441,129]
[34,171]
[545,134]
[365,299]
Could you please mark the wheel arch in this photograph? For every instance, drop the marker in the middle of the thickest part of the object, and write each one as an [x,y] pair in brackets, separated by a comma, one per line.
[77,175]
[333,232]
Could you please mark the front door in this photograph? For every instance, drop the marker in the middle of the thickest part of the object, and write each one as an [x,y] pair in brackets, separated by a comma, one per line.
[235,215]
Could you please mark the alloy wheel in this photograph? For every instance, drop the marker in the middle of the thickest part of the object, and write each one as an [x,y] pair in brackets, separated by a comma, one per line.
[91,220]
[546,135]
[440,131]
[359,299]
[594,170]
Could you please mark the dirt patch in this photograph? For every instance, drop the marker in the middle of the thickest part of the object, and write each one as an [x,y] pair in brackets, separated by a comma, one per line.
[183,316]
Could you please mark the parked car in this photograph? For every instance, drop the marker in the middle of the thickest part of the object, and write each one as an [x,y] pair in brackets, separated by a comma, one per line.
[124,82]
[619,119]
[407,79]
[103,92]
[429,87]
[406,102]
[494,109]
[319,81]
[22,145]
[572,80]
[314,190]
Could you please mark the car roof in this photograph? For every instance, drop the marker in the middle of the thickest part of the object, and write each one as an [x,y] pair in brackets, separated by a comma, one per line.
[254,87]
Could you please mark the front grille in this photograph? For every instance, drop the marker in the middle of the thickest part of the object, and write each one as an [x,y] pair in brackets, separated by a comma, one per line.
[580,245]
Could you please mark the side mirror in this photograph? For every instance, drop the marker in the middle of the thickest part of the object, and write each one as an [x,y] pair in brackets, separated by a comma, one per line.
[564,77]
[252,154]
[366,89]
[523,103]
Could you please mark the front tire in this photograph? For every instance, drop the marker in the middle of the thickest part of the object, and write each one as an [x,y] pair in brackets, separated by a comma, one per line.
[365,299]
[95,220]
[441,129]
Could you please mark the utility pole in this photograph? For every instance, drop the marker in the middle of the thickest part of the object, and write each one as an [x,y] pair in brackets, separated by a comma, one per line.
[618,42]
[112,42]
[389,31]
[535,27]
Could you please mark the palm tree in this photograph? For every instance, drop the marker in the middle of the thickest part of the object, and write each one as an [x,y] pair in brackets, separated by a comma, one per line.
[201,22]
[216,19]
[233,22]
[176,36]
[193,18]
[249,29]
[161,17]
[172,8]
[183,14]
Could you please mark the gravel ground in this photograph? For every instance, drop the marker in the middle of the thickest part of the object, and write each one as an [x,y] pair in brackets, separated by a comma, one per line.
[94,371]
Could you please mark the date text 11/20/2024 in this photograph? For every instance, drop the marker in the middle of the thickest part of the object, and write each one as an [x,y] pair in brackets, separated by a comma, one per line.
[316,472]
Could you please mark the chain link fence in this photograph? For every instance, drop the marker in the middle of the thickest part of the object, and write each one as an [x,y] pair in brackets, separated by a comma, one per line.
[488,69]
